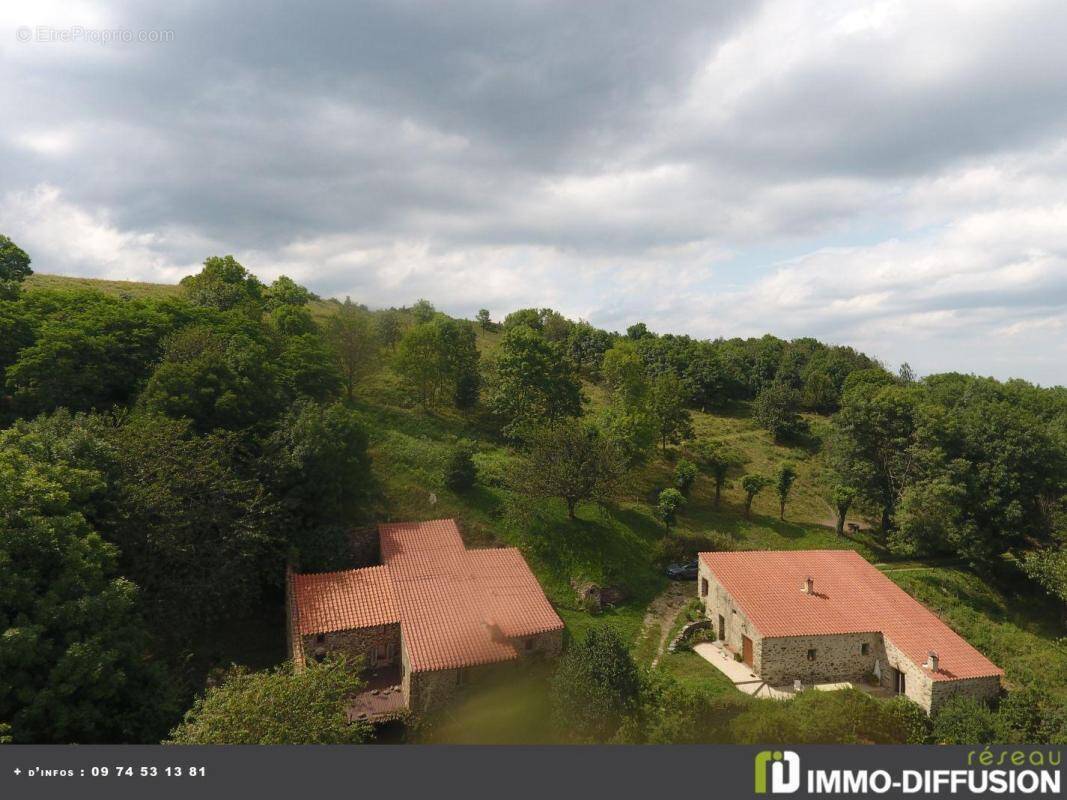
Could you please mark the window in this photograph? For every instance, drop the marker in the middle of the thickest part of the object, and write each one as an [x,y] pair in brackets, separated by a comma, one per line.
[703,587]
[865,649]
[811,654]
[320,639]
[528,644]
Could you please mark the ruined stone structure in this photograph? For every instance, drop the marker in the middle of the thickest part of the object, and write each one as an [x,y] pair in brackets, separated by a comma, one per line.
[440,615]
[822,616]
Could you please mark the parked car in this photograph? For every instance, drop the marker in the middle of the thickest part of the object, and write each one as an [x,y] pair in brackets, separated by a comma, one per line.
[683,572]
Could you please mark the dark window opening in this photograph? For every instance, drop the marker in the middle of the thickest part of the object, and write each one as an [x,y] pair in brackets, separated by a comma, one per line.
[811,654]
[703,587]
[528,644]
[865,649]
[320,639]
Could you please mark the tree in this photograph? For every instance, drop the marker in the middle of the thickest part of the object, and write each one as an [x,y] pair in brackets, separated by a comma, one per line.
[776,411]
[278,706]
[318,464]
[572,461]
[460,472]
[717,459]
[389,327]
[1048,567]
[667,507]
[624,374]
[285,292]
[14,268]
[638,330]
[783,484]
[685,475]
[197,536]
[351,333]
[531,381]
[596,687]
[75,665]
[753,485]
[93,352]
[225,285]
[667,407]
[842,497]
[216,377]
[423,311]
[874,443]
[484,320]
[440,358]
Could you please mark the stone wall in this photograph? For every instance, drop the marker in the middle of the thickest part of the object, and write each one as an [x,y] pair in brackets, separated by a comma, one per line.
[544,645]
[837,657]
[718,601]
[293,642]
[984,689]
[378,646]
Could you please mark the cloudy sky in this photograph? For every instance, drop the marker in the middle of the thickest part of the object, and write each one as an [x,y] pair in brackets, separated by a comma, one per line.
[891,175]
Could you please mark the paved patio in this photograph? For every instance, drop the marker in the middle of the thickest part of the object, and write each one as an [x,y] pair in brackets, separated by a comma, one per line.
[745,680]
[382,698]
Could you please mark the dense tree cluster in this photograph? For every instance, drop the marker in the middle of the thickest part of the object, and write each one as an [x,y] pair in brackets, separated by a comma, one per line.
[164,458]
[958,465]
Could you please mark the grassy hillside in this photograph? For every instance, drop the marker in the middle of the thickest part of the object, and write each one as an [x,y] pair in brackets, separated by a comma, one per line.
[625,545]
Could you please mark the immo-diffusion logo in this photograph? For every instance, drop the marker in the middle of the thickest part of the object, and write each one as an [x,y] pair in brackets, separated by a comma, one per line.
[784,769]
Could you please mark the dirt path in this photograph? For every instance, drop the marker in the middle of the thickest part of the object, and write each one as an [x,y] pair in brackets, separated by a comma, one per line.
[663,610]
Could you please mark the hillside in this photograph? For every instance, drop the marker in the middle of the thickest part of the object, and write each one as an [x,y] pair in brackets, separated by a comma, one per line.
[624,545]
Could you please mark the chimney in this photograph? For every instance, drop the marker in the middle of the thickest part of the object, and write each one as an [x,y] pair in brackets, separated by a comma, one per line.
[931,661]
[809,585]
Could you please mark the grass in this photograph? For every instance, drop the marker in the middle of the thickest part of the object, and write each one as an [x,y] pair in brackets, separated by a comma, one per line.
[625,546]
[512,709]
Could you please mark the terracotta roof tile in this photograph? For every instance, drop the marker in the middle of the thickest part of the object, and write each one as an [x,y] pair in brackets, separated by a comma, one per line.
[336,601]
[456,607]
[851,596]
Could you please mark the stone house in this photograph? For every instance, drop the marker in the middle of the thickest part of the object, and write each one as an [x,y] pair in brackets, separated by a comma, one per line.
[821,616]
[431,617]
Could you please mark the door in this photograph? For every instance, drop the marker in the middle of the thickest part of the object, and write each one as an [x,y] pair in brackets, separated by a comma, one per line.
[746,650]
[722,628]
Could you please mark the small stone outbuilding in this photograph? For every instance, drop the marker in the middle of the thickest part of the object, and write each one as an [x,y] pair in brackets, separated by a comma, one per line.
[823,616]
[434,613]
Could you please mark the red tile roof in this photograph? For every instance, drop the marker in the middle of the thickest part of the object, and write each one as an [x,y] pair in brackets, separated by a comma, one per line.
[338,601]
[456,607]
[851,596]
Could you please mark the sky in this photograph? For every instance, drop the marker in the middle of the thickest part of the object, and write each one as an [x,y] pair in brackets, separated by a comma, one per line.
[889,175]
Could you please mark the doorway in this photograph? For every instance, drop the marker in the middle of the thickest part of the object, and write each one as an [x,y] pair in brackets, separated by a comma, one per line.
[722,628]
[898,680]
[746,650]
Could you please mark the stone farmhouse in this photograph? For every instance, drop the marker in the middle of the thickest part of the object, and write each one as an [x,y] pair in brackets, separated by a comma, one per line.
[819,616]
[430,617]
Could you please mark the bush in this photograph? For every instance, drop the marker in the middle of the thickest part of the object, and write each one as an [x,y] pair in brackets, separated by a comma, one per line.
[596,687]
[964,720]
[460,473]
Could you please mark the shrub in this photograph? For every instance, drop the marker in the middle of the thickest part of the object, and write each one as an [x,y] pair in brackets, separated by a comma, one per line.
[460,473]
[685,475]
[596,687]
[964,720]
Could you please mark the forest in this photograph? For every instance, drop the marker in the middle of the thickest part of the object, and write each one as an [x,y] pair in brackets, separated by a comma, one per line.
[166,450]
